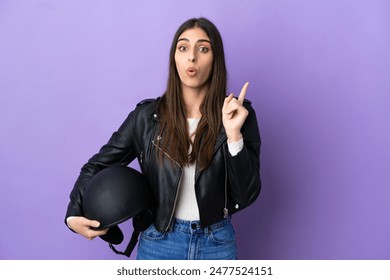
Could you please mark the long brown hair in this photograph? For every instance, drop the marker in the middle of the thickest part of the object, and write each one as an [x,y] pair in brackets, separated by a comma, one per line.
[174,127]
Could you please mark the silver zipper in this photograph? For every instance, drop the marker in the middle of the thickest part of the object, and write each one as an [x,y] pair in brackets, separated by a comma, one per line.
[225,210]
[178,187]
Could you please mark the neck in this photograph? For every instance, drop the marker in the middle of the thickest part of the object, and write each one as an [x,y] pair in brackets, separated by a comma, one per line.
[193,98]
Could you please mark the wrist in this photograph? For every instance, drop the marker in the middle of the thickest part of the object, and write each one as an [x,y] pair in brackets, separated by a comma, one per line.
[234,137]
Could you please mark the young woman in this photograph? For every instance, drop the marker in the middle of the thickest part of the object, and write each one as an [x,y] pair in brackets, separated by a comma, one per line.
[198,148]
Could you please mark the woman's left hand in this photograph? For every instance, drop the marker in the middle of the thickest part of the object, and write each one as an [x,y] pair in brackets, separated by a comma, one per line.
[234,115]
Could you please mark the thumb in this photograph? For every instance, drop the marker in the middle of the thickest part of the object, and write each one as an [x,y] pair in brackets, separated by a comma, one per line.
[91,223]
[95,224]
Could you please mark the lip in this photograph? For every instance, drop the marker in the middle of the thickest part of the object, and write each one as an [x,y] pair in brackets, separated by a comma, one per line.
[191,71]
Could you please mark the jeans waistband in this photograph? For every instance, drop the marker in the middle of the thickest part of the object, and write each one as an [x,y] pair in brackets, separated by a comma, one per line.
[194,226]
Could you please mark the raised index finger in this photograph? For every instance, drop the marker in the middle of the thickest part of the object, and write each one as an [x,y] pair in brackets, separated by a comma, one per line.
[241,97]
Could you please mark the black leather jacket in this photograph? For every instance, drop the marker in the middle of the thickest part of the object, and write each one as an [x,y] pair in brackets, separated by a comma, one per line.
[229,182]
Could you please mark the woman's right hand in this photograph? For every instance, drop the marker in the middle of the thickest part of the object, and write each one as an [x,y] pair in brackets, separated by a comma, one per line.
[84,227]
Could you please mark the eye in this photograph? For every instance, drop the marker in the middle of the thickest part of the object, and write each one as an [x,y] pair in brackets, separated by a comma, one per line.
[182,48]
[203,49]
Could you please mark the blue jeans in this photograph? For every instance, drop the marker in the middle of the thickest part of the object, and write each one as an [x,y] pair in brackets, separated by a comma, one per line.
[187,241]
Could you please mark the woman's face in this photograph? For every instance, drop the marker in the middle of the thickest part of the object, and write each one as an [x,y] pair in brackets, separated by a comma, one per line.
[194,58]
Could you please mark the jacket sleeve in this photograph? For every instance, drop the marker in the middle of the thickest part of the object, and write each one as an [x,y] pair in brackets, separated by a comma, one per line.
[119,150]
[243,169]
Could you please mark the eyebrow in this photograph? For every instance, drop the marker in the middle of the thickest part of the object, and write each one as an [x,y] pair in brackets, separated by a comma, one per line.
[199,41]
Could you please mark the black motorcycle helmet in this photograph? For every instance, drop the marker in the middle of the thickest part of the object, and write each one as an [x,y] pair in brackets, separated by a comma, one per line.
[114,195]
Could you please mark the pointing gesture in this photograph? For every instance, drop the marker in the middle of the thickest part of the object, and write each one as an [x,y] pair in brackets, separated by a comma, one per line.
[234,115]
[241,97]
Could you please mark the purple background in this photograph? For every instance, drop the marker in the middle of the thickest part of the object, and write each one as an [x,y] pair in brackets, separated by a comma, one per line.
[70,71]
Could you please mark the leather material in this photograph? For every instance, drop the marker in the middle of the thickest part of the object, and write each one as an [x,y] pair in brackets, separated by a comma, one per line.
[231,182]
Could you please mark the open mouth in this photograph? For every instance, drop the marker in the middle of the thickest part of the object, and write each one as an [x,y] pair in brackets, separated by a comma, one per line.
[191,72]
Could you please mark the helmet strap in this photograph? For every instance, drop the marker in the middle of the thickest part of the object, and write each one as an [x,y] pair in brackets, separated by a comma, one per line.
[130,247]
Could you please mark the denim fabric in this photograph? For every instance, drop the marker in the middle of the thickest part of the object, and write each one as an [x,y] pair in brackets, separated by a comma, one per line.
[187,241]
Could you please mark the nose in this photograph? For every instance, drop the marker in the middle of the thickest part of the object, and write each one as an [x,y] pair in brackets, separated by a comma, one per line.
[191,57]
